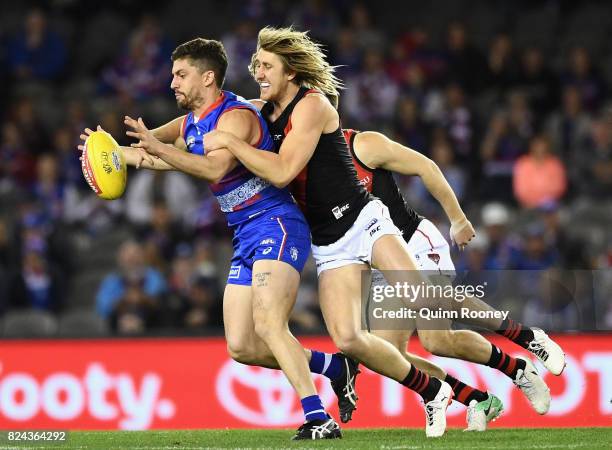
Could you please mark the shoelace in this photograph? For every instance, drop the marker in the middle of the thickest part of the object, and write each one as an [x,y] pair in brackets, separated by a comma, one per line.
[526,385]
[430,410]
[538,349]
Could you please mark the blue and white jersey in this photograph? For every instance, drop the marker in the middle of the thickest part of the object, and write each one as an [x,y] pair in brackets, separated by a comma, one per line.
[241,194]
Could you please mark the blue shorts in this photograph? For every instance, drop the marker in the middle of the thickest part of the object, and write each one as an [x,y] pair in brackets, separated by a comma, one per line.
[280,233]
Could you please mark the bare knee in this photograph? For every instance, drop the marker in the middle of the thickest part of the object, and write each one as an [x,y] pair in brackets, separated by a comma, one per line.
[241,353]
[349,341]
[437,342]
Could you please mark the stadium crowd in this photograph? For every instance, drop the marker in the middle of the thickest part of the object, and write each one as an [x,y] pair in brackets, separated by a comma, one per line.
[519,121]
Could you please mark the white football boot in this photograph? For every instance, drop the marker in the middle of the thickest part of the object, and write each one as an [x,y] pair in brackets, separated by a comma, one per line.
[533,386]
[435,411]
[547,351]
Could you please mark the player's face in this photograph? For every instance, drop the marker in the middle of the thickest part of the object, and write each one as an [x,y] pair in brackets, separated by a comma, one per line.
[271,76]
[186,84]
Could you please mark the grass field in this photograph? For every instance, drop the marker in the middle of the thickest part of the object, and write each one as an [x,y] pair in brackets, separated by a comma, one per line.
[579,438]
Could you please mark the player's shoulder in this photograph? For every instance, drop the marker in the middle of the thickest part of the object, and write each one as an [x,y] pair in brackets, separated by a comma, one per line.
[315,105]
[257,103]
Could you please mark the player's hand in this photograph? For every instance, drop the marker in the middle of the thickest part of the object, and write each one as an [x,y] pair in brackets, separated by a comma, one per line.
[216,140]
[146,140]
[462,232]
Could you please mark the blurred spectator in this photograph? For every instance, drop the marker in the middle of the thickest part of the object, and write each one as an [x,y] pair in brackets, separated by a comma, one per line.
[535,253]
[496,219]
[31,130]
[64,147]
[539,176]
[370,96]
[135,311]
[569,127]
[147,187]
[537,81]
[132,289]
[442,154]
[143,69]
[48,189]
[500,71]
[347,55]
[476,257]
[501,147]
[316,16]
[410,130]
[239,45]
[419,51]
[572,250]
[17,167]
[36,283]
[370,37]
[459,122]
[202,306]
[37,52]
[465,63]
[591,164]
[586,78]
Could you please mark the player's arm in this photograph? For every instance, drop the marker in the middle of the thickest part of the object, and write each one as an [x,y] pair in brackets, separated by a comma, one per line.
[378,151]
[308,121]
[209,167]
[169,132]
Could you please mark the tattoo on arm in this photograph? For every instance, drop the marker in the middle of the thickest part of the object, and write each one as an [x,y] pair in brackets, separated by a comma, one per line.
[261,278]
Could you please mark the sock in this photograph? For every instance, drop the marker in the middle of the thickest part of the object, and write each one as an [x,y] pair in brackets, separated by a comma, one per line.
[516,332]
[313,408]
[504,362]
[326,364]
[464,393]
[426,386]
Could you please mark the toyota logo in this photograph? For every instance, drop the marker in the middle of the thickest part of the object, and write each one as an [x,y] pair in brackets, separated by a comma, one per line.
[264,397]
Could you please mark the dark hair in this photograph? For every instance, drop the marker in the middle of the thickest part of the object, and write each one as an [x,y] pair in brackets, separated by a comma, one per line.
[205,54]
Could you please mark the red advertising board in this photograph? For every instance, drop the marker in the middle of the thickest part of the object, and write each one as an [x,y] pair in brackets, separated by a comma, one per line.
[192,383]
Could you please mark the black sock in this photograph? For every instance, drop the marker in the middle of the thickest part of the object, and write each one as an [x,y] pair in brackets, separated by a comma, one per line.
[464,393]
[504,362]
[516,332]
[426,386]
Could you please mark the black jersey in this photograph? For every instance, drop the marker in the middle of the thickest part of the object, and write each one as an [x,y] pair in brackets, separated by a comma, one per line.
[327,189]
[381,184]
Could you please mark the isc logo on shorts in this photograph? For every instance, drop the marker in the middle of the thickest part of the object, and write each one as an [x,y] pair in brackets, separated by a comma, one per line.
[234,272]
[374,230]
[371,224]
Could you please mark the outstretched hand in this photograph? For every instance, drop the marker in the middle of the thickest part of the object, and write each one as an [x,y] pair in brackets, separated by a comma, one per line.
[146,140]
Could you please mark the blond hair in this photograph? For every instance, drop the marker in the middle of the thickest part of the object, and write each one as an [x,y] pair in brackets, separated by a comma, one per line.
[301,55]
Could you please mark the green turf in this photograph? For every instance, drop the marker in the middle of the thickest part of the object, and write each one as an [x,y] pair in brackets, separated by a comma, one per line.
[573,438]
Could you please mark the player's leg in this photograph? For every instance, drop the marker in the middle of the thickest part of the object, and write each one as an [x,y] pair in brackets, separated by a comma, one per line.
[393,255]
[243,344]
[340,299]
[279,246]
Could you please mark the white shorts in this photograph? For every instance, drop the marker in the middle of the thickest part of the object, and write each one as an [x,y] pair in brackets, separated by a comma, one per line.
[355,247]
[430,251]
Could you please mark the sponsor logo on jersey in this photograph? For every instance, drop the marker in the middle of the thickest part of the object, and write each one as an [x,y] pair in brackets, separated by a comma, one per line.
[268,241]
[266,250]
[339,211]
[234,272]
[371,224]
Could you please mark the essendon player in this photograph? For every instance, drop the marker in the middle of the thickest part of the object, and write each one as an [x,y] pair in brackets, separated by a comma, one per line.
[312,151]
[375,158]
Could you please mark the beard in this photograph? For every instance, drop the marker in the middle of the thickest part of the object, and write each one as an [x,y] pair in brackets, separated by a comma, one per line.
[189,102]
